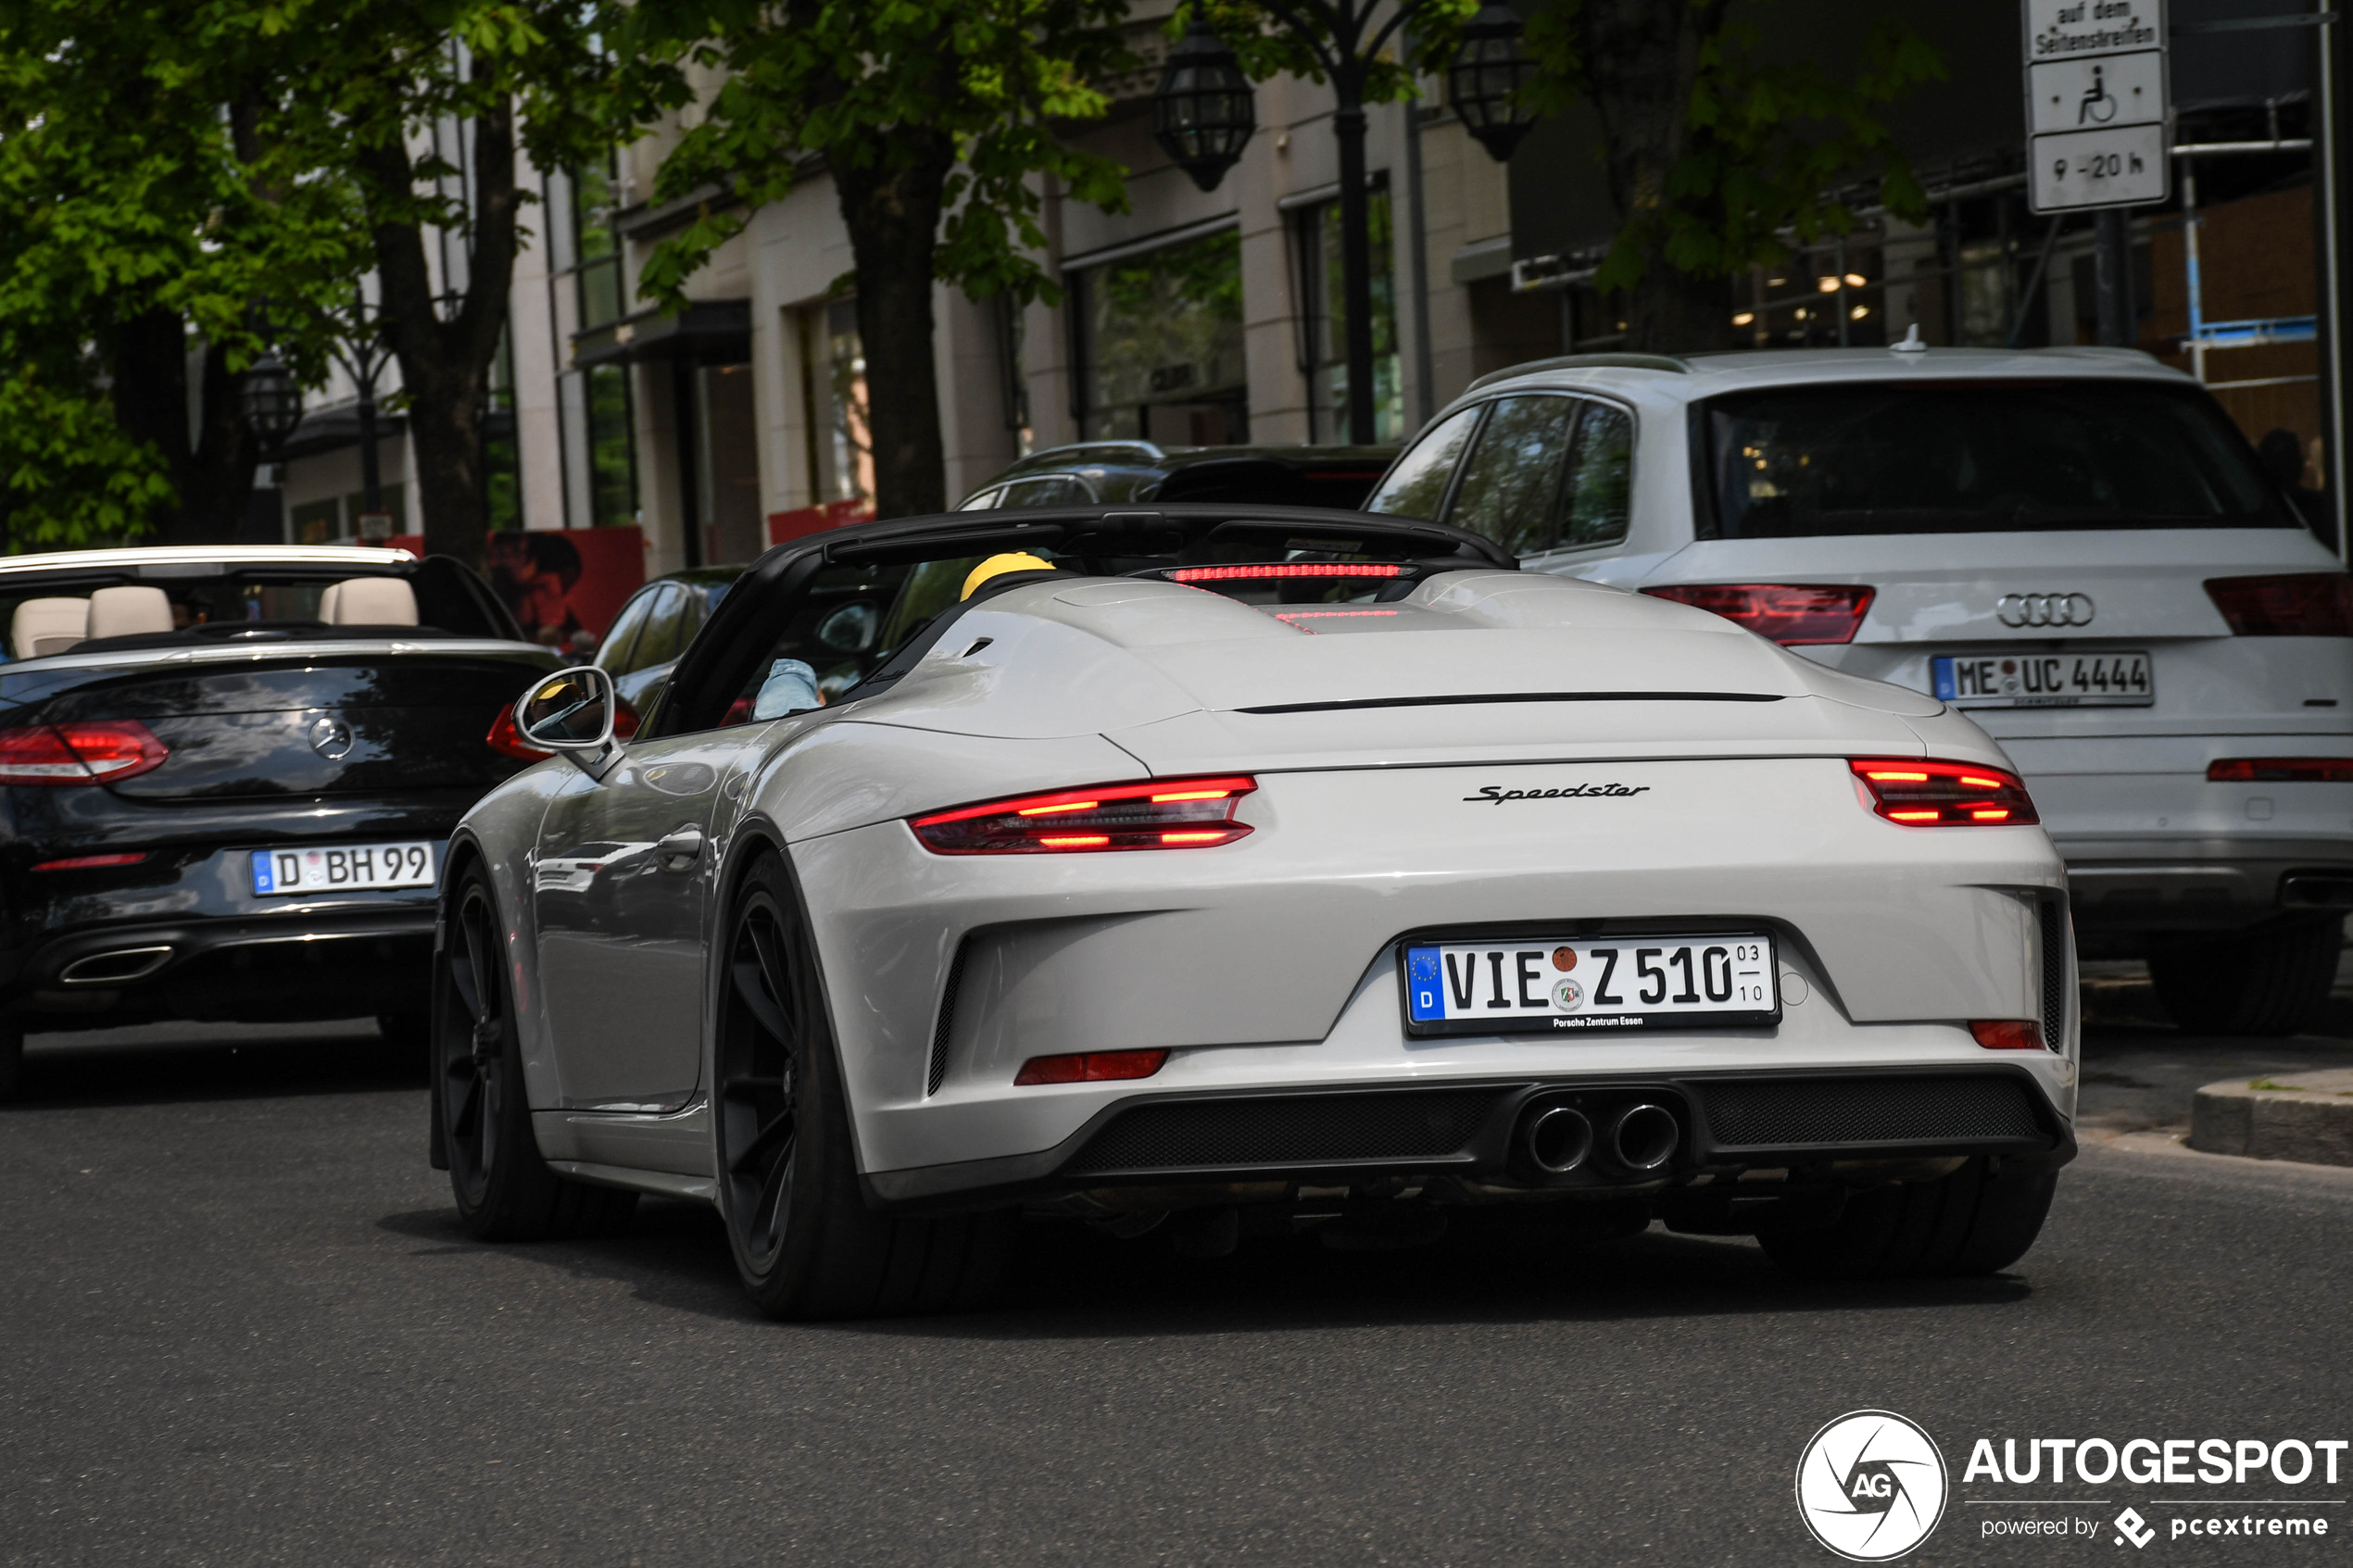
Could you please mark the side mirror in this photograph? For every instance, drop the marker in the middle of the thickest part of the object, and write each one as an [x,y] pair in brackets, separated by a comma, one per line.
[572,712]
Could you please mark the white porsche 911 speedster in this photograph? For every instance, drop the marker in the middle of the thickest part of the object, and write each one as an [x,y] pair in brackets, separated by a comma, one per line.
[1212,870]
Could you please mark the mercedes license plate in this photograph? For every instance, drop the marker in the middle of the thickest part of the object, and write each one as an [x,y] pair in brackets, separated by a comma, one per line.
[345,868]
[1551,985]
[2043,680]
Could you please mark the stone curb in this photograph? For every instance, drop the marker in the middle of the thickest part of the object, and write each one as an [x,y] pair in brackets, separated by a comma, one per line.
[2300,1116]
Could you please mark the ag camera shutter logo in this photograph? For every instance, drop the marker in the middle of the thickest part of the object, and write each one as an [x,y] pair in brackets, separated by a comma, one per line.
[1871,1486]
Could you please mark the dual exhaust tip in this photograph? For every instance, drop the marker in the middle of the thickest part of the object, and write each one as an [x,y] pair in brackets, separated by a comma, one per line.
[1556,1138]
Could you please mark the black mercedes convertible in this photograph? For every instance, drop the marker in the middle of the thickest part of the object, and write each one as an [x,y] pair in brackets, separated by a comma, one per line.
[227,775]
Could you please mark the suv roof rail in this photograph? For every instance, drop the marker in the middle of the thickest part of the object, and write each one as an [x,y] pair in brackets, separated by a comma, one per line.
[1587,363]
[1149,449]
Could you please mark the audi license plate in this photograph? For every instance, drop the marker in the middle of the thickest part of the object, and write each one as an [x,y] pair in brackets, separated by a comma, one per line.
[2043,680]
[344,868]
[1551,985]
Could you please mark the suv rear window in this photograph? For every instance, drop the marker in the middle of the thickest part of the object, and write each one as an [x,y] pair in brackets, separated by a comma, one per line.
[1981,457]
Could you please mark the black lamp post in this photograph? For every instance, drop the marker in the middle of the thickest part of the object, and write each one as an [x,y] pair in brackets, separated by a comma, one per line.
[1204,110]
[1202,87]
[272,400]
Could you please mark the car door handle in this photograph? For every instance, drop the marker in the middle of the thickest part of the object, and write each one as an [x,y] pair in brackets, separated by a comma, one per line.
[681,849]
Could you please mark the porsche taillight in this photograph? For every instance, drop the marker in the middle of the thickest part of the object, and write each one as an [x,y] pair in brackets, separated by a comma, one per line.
[2006,1034]
[1089,1067]
[1793,614]
[87,752]
[1162,814]
[1943,795]
[2301,604]
[1288,569]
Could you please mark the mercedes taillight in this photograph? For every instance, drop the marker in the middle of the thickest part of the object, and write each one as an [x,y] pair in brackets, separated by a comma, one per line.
[85,752]
[1163,814]
[2302,604]
[1793,614]
[1941,795]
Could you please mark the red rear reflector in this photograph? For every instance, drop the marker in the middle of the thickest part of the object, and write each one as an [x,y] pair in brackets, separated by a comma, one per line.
[2305,604]
[1793,614]
[1931,795]
[85,752]
[1162,814]
[1289,569]
[2281,770]
[2007,1034]
[91,862]
[1091,1067]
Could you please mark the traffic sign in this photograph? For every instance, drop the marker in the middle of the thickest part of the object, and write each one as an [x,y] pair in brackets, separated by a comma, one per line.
[2097,116]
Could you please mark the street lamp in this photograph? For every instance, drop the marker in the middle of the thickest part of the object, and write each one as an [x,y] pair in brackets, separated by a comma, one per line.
[272,400]
[1482,83]
[1204,110]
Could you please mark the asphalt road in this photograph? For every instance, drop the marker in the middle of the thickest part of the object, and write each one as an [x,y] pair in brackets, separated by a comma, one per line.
[237,1324]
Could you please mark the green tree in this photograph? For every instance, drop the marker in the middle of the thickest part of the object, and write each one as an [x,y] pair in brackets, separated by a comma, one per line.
[145,204]
[1715,153]
[935,120]
[183,183]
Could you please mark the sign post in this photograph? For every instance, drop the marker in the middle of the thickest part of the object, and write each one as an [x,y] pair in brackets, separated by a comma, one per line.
[2098,127]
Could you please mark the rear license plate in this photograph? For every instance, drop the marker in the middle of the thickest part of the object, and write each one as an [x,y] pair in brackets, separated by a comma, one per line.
[345,868]
[1551,985]
[2043,680]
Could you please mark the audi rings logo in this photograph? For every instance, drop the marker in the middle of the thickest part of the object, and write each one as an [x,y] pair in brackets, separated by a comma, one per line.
[2044,610]
[1871,1486]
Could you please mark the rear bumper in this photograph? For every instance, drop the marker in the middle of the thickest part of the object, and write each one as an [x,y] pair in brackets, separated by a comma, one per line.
[342,965]
[2118,887]
[1227,1145]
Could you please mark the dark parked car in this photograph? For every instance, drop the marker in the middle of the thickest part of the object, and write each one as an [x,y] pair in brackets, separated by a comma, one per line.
[1095,472]
[227,777]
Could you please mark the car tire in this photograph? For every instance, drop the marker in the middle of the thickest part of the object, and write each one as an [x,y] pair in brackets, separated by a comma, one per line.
[805,1242]
[11,1058]
[504,1190]
[1977,1221]
[2274,981]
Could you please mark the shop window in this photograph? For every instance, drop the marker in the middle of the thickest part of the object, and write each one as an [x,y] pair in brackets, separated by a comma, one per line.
[595,248]
[1161,345]
[612,446]
[833,384]
[1323,307]
[316,523]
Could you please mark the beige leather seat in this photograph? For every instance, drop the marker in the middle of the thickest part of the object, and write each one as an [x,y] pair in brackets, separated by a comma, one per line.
[128,612]
[42,627]
[368,601]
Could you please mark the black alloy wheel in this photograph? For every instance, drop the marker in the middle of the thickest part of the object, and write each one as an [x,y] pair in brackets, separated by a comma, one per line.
[806,1243]
[763,1036]
[504,1190]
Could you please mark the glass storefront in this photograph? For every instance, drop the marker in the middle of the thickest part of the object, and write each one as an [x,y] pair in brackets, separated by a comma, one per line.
[1316,236]
[1162,345]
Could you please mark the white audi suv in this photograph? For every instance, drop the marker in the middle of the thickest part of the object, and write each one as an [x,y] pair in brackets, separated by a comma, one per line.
[2075,546]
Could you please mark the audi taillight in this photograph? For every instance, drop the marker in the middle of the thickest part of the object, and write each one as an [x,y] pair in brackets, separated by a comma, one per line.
[91,751]
[1089,1067]
[1943,795]
[2303,604]
[2281,770]
[2006,1034]
[1793,614]
[1164,814]
[1287,569]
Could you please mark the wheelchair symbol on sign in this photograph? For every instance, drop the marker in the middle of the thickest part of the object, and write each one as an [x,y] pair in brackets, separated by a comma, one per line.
[2100,105]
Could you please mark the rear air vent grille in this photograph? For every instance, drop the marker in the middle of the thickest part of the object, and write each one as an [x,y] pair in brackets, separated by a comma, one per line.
[2053,916]
[1868,1112]
[946,1026]
[1287,1130]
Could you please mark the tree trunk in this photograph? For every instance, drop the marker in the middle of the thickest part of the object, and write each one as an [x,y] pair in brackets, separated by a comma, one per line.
[212,475]
[446,357]
[893,216]
[1641,59]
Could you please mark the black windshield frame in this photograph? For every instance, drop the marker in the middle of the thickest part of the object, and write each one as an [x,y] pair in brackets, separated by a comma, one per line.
[2135,451]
